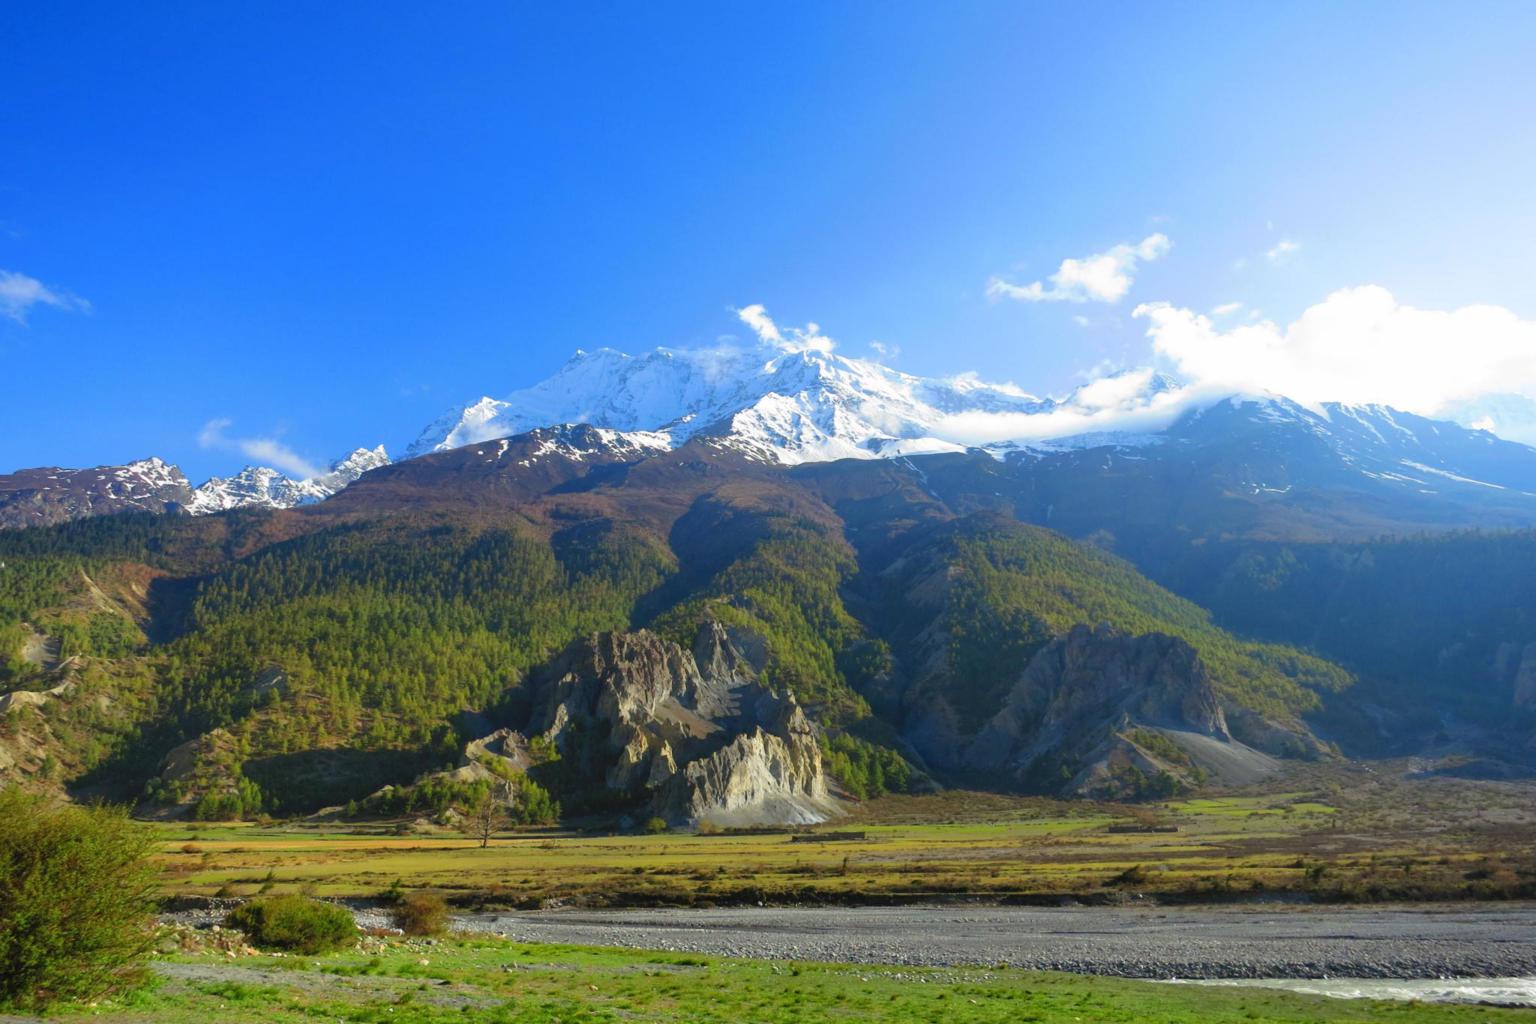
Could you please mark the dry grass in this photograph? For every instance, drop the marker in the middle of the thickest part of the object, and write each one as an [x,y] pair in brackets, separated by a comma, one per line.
[1335,833]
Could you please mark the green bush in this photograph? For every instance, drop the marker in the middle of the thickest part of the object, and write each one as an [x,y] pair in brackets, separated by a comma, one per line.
[656,826]
[422,913]
[247,801]
[534,804]
[865,769]
[295,922]
[76,900]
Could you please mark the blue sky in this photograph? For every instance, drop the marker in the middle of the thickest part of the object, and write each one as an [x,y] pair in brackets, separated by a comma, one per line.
[327,223]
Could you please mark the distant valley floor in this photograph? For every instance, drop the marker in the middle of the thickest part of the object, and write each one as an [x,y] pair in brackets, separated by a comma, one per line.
[1327,834]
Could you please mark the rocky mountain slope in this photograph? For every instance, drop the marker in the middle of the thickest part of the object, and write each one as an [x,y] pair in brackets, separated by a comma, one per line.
[1112,714]
[959,616]
[1256,462]
[42,497]
[866,616]
[1138,437]
[695,735]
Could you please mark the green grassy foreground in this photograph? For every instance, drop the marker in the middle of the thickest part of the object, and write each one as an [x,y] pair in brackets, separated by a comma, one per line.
[501,982]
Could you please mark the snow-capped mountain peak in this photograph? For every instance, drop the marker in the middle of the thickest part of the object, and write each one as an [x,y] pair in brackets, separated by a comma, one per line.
[348,468]
[791,404]
[50,494]
[788,404]
[1280,442]
[153,473]
[267,488]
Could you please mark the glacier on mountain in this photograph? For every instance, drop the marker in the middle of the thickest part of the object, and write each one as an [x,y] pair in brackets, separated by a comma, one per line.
[783,404]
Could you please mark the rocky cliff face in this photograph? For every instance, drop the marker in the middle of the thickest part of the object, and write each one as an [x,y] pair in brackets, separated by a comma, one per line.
[1104,714]
[694,735]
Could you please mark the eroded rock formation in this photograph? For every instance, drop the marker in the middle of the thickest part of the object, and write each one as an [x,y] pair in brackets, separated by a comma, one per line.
[695,735]
[1105,714]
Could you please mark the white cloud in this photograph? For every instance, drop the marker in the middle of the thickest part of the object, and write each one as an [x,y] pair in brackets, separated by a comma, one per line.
[264,450]
[756,317]
[1114,391]
[790,339]
[1122,402]
[1358,345]
[885,350]
[1475,365]
[1102,277]
[19,293]
[1282,251]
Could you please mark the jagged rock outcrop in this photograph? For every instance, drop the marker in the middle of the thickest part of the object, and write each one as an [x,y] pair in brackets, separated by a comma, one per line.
[31,698]
[503,744]
[50,495]
[761,776]
[691,734]
[491,758]
[1104,714]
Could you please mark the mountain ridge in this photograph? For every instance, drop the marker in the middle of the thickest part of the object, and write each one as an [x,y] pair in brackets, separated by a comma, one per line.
[793,404]
[47,495]
[899,600]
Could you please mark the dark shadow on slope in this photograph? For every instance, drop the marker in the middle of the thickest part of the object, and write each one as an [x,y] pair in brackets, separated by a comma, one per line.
[305,781]
[170,608]
[706,539]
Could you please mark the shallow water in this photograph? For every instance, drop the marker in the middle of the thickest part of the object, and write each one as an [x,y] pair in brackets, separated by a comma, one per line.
[1498,991]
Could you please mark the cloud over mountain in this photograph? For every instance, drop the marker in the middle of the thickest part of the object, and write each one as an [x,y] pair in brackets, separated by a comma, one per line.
[265,450]
[1359,345]
[790,339]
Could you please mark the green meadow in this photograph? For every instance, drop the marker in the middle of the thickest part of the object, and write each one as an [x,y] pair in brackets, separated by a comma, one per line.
[492,981]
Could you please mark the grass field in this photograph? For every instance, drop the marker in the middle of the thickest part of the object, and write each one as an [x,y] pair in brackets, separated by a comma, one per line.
[1360,838]
[1350,833]
[498,981]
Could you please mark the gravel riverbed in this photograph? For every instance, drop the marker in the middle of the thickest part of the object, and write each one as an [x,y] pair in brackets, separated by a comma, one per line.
[1481,941]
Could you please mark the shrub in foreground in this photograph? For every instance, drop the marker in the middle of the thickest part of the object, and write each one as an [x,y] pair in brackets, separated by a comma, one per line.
[422,913]
[76,900]
[295,922]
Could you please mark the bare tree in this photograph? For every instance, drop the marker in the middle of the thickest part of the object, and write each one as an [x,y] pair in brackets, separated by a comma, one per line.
[486,815]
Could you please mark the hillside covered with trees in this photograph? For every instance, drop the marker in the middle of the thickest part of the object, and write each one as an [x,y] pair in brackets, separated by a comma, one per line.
[313,656]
